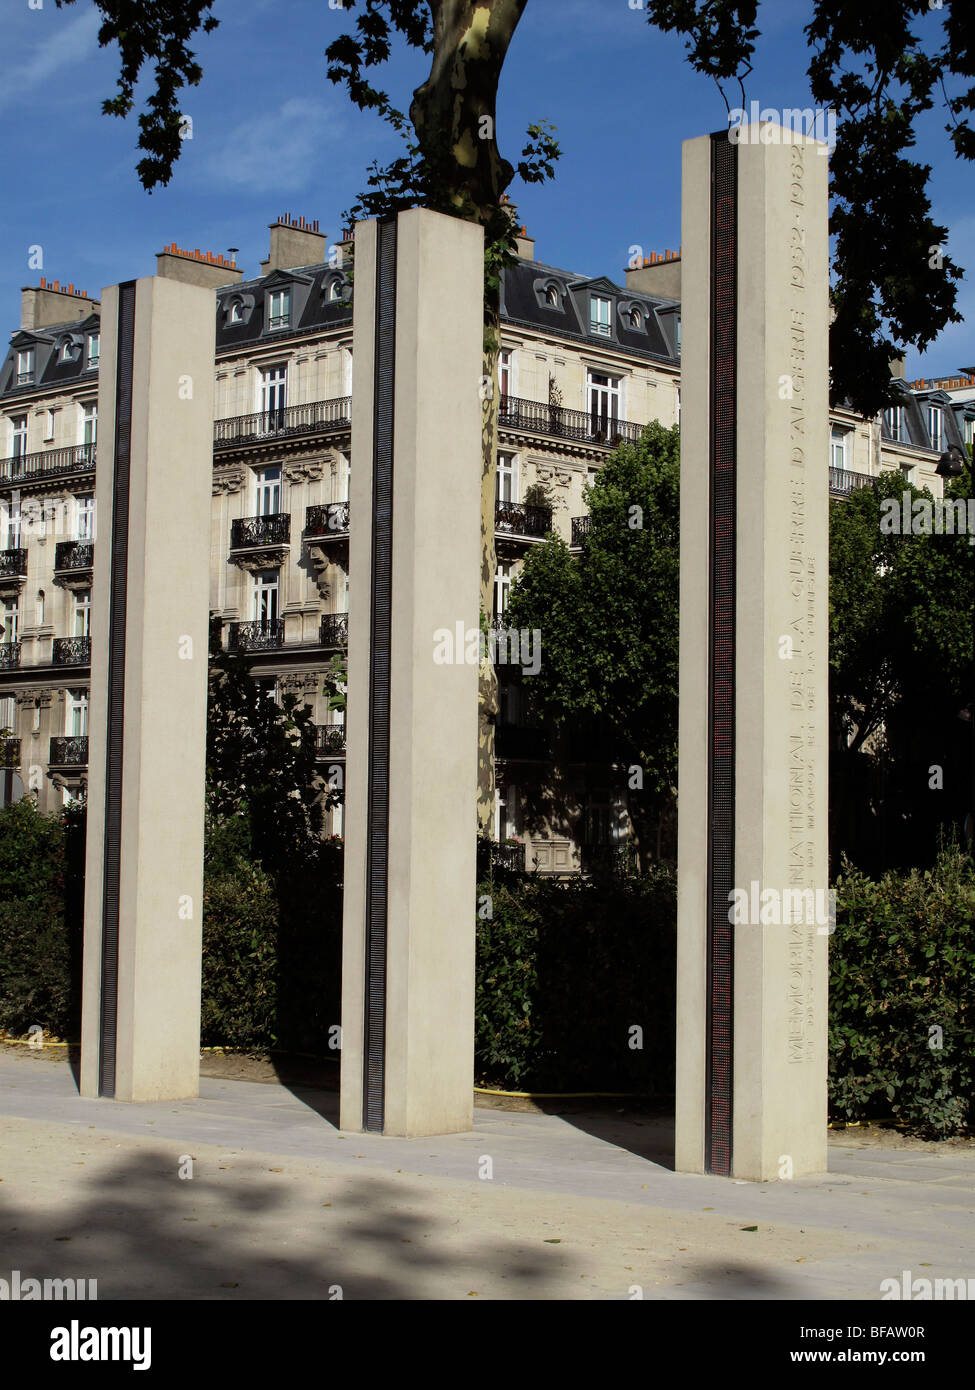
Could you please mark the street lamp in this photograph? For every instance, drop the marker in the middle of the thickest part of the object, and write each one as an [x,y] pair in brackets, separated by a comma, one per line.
[952,464]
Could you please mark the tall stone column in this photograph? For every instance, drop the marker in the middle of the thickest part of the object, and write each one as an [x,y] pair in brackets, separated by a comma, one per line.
[752,933]
[147,728]
[411,782]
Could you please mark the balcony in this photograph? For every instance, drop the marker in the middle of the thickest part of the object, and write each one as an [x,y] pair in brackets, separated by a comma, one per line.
[9,752]
[557,421]
[13,572]
[516,521]
[51,463]
[9,655]
[262,635]
[334,630]
[71,651]
[73,561]
[330,740]
[289,422]
[581,529]
[68,752]
[260,542]
[842,482]
[327,522]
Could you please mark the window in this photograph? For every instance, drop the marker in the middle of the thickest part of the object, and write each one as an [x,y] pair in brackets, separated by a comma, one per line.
[236,311]
[635,317]
[604,401]
[89,423]
[266,596]
[25,366]
[936,427]
[86,516]
[599,315]
[49,424]
[335,290]
[40,608]
[8,714]
[278,309]
[93,350]
[19,423]
[678,335]
[504,373]
[505,812]
[894,423]
[837,448]
[76,714]
[10,617]
[82,613]
[274,391]
[13,523]
[268,491]
[507,484]
[502,588]
[64,355]
[267,688]
[552,296]
[969,433]
[599,826]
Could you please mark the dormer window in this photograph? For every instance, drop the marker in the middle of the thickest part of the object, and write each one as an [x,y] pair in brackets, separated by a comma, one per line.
[278,309]
[936,427]
[636,318]
[894,424]
[93,350]
[549,294]
[552,296]
[25,366]
[236,311]
[335,291]
[599,315]
[64,353]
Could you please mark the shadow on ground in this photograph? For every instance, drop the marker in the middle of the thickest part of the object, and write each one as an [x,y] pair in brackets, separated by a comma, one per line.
[144,1233]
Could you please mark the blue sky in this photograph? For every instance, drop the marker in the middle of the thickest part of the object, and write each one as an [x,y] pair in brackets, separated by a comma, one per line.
[272,135]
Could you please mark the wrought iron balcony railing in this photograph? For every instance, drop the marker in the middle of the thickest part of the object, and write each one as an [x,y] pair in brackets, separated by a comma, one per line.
[9,655]
[9,752]
[13,563]
[69,752]
[334,630]
[314,418]
[329,519]
[581,528]
[71,651]
[517,519]
[74,555]
[842,482]
[51,463]
[253,532]
[330,738]
[594,428]
[491,855]
[262,635]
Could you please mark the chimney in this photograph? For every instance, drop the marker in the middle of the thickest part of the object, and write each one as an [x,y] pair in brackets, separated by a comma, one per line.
[294,242]
[196,267]
[658,275]
[525,245]
[54,303]
[898,369]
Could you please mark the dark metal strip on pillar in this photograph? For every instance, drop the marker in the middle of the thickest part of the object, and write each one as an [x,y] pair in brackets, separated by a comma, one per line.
[721,653]
[381,598]
[108,1028]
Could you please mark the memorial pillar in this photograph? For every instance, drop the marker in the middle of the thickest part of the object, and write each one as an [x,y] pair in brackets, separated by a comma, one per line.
[147,730]
[411,781]
[752,822]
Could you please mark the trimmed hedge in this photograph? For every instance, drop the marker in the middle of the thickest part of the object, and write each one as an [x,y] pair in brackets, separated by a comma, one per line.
[41,915]
[565,972]
[902,1001]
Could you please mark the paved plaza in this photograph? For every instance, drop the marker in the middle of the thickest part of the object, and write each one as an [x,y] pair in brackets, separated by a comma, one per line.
[281,1205]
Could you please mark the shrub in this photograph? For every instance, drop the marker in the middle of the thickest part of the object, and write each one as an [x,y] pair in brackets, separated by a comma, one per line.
[902,997]
[565,971]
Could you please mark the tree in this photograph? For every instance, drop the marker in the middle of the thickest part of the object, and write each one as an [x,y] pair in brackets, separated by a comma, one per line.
[609,619]
[901,670]
[262,790]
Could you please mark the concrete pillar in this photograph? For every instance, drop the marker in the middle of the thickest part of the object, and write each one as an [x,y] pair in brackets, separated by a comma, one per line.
[147,729]
[751,1047]
[411,784]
